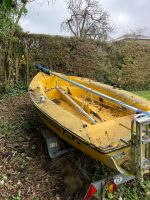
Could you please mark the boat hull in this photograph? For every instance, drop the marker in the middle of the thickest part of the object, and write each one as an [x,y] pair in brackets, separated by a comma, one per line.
[81,145]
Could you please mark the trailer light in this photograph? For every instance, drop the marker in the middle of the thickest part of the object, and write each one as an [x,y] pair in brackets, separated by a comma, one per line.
[111,186]
[90,193]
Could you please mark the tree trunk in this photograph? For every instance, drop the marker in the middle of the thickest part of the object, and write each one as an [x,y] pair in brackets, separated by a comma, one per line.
[17,69]
[27,64]
[6,68]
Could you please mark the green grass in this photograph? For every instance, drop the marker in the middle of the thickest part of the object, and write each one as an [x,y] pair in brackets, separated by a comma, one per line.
[145,94]
[132,191]
[7,90]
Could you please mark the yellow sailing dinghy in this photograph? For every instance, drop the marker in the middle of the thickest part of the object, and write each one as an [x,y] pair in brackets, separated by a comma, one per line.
[110,125]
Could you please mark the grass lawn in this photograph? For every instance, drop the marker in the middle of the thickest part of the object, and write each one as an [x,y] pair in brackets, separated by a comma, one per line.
[145,94]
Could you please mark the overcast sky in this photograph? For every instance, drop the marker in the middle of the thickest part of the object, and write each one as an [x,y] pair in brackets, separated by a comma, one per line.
[126,15]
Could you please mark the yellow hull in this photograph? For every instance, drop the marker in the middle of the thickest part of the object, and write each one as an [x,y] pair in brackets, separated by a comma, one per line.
[105,140]
[82,145]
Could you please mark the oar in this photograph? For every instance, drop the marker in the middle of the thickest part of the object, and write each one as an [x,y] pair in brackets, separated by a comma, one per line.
[132,108]
[81,110]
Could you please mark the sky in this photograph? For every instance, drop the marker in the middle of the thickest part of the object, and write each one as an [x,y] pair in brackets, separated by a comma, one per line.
[127,16]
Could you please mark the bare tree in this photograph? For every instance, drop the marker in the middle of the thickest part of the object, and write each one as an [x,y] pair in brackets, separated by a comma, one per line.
[87,19]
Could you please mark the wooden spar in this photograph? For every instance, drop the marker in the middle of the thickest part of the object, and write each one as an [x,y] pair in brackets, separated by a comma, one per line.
[75,105]
[134,109]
